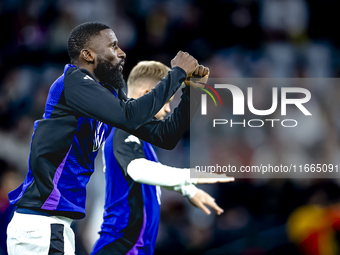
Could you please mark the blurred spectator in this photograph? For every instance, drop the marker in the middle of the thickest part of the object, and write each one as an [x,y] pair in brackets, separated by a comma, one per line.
[9,180]
[16,143]
[315,226]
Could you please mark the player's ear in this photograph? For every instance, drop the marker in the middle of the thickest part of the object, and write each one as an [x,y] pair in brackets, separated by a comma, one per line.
[145,91]
[87,55]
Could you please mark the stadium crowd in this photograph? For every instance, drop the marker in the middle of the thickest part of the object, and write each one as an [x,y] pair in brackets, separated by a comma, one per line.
[235,39]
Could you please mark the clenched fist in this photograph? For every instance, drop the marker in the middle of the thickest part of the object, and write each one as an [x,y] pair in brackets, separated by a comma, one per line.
[185,61]
[198,77]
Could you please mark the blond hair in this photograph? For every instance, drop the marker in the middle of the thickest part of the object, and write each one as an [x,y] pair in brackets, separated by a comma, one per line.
[147,70]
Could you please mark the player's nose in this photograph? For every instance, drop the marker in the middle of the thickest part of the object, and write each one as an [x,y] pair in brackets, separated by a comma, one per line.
[121,53]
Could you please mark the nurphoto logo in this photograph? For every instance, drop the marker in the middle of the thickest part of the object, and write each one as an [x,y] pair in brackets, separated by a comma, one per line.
[238,107]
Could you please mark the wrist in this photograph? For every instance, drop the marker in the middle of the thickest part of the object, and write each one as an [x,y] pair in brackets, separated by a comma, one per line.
[187,190]
[181,69]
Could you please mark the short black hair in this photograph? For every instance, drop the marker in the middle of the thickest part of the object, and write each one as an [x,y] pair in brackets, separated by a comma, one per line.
[81,35]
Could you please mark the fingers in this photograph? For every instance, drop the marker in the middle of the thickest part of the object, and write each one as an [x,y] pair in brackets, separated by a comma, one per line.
[190,66]
[202,198]
[206,71]
[226,179]
[198,71]
[204,208]
[214,178]
[201,71]
[184,60]
[213,205]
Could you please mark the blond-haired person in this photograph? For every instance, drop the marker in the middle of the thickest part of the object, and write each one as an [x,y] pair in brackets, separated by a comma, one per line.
[133,176]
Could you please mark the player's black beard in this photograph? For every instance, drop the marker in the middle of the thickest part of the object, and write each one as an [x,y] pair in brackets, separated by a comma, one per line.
[109,73]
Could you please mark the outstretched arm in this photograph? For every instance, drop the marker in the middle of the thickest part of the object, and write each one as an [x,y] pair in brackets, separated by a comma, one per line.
[155,173]
[130,156]
[176,179]
[88,98]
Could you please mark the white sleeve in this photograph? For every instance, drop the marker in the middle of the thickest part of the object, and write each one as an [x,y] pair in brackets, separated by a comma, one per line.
[154,173]
[187,190]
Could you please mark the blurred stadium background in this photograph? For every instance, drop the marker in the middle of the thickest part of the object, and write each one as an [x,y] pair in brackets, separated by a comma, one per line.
[235,39]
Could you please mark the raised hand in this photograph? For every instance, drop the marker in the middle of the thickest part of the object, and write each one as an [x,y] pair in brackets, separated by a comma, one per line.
[198,78]
[185,61]
[201,199]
